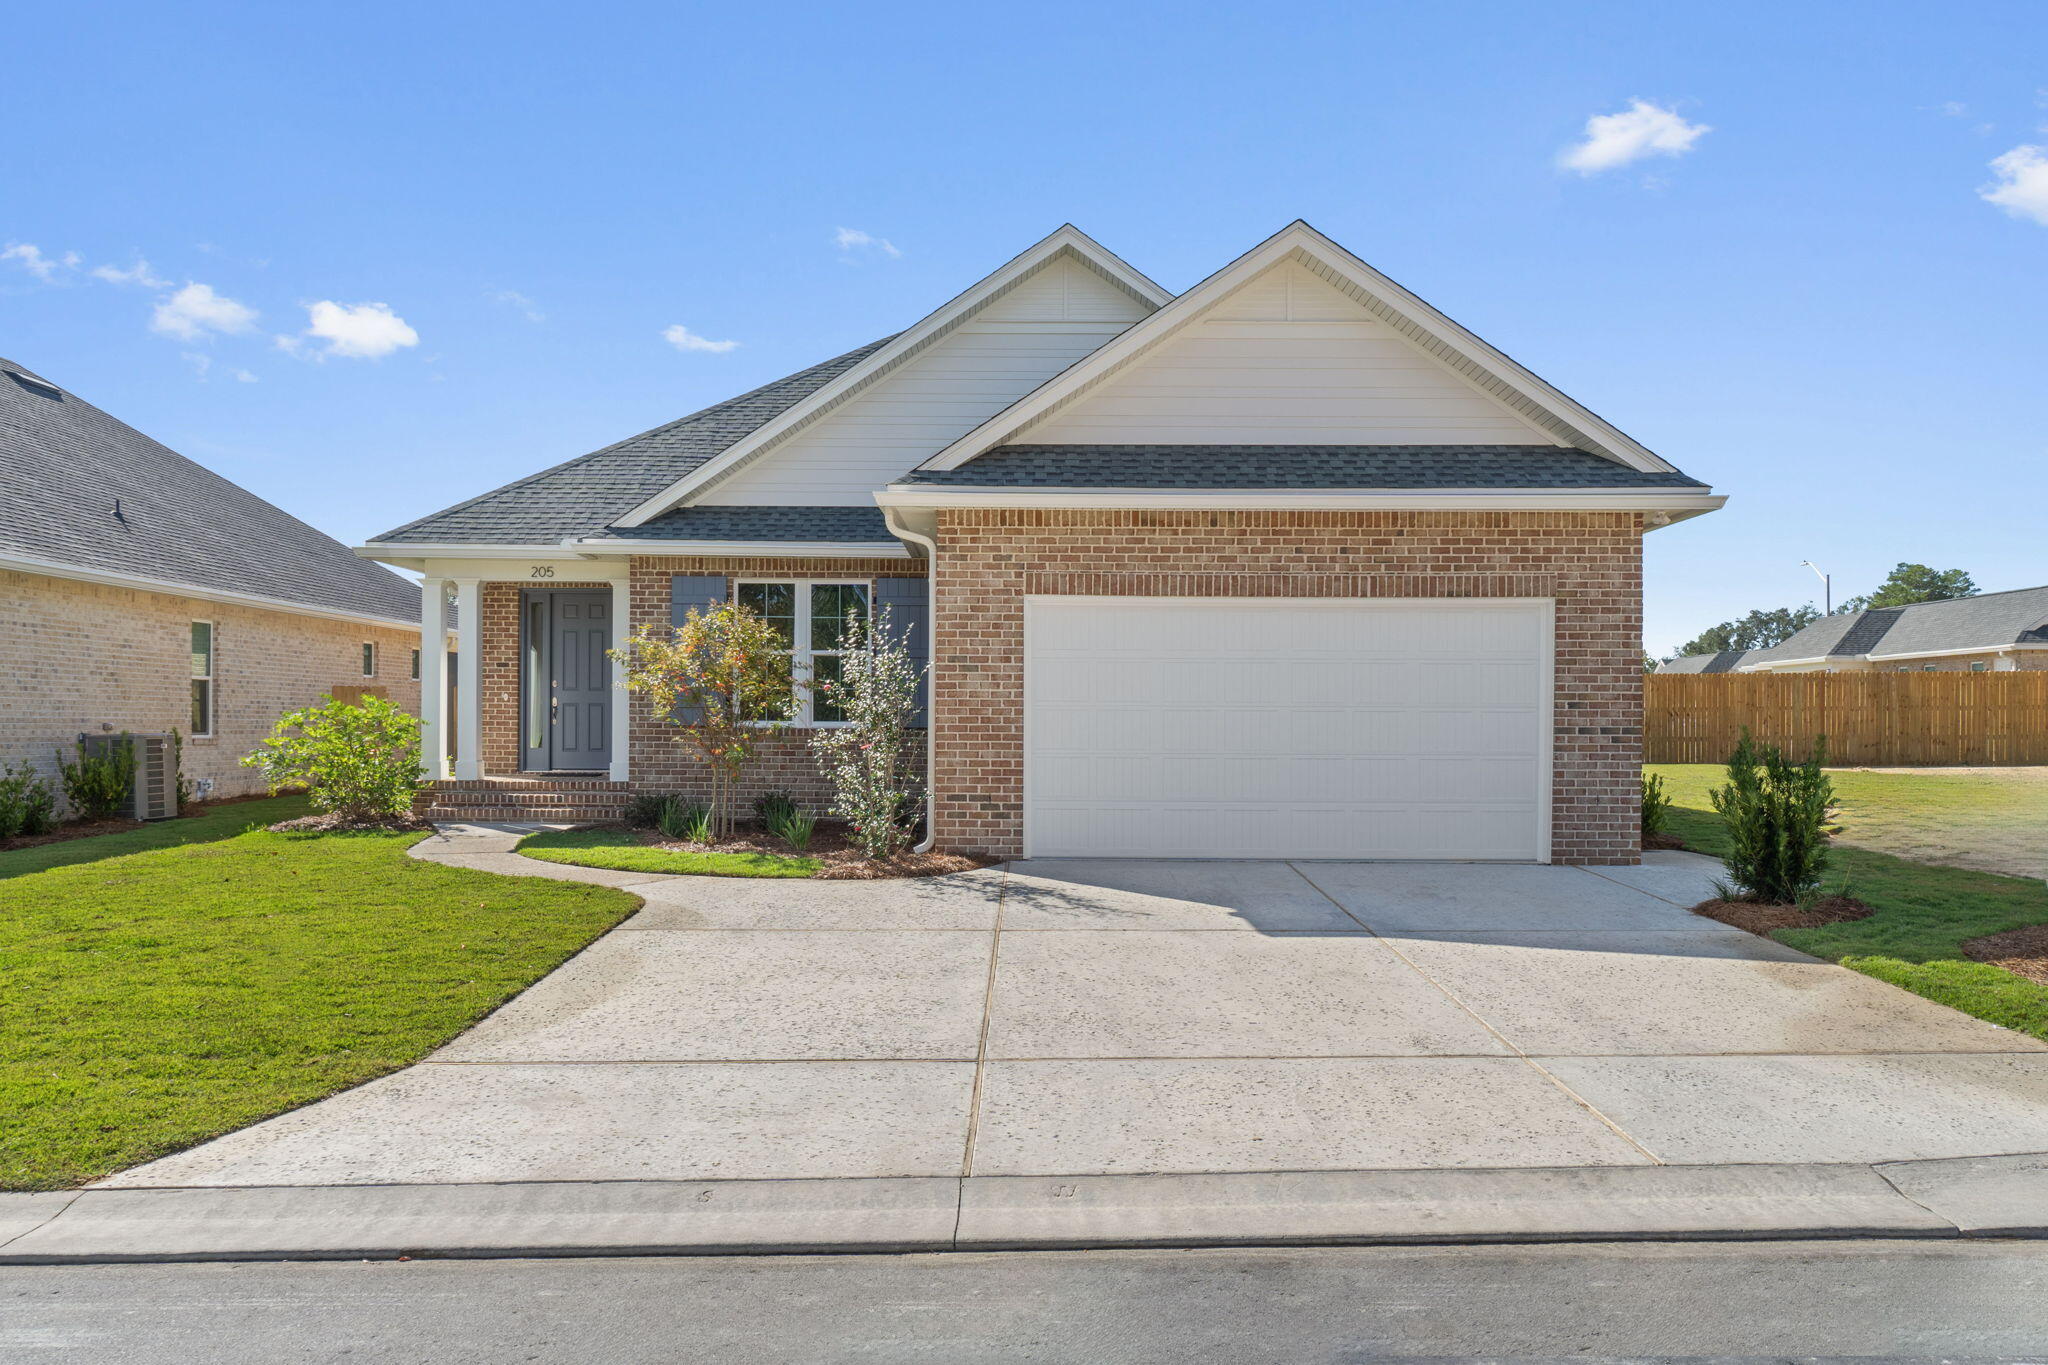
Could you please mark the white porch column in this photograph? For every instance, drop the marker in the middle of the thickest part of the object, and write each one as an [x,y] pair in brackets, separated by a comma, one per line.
[434,717]
[622,700]
[469,701]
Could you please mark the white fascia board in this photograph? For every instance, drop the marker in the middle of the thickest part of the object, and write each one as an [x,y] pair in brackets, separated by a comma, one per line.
[1066,238]
[912,496]
[747,549]
[2006,648]
[1614,443]
[1770,664]
[50,568]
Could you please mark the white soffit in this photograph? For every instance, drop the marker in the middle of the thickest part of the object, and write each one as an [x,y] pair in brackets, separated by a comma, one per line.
[1485,368]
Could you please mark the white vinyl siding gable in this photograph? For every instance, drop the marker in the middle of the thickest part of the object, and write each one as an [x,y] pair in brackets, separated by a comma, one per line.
[1286,359]
[1047,321]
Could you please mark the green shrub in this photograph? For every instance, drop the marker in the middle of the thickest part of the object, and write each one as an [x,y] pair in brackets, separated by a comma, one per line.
[644,810]
[794,827]
[28,804]
[871,761]
[1656,806]
[1776,812]
[684,821]
[357,761]
[771,808]
[101,784]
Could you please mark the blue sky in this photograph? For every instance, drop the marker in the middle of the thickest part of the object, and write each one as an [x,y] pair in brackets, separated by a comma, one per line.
[1810,304]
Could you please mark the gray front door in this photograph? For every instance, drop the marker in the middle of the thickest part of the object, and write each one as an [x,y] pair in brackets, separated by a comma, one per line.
[566,695]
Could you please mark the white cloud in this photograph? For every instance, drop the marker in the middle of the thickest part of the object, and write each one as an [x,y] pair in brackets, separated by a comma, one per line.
[36,263]
[512,298]
[1616,139]
[2022,188]
[200,363]
[242,376]
[855,244]
[683,339]
[196,310]
[364,331]
[134,274]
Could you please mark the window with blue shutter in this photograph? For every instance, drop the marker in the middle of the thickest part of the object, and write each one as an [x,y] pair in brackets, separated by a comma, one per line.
[910,618]
[687,591]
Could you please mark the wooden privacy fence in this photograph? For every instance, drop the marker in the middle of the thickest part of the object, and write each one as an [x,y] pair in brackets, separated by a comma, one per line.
[1898,720]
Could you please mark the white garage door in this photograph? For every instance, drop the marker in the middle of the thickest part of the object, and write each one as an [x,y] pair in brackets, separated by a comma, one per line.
[1287,728]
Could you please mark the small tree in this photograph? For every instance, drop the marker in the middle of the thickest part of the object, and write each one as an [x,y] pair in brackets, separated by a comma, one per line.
[1777,813]
[358,761]
[101,784]
[722,679]
[871,761]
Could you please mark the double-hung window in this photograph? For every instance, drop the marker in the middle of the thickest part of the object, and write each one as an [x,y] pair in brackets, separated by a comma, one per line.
[369,659]
[202,678]
[811,618]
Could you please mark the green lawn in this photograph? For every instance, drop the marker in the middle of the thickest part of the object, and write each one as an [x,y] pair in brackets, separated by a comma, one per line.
[623,852]
[175,982]
[1923,914]
[1991,819]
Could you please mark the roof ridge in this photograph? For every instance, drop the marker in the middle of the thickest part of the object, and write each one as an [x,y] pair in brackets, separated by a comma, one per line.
[655,430]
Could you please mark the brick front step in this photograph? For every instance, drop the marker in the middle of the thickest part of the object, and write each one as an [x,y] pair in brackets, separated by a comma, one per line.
[525,798]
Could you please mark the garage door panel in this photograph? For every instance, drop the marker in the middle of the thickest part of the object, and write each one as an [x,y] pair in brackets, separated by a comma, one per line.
[1259,728]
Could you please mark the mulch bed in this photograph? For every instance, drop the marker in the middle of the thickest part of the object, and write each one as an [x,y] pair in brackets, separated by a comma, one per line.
[2022,951]
[335,824]
[92,829]
[1760,918]
[842,858]
[1665,841]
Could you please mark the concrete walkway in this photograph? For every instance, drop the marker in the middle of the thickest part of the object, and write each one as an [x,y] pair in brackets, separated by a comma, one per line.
[904,1062]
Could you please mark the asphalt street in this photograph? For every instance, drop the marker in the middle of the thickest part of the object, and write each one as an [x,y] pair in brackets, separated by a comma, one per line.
[1948,1300]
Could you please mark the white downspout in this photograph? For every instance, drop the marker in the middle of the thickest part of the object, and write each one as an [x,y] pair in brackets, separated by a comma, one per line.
[931,555]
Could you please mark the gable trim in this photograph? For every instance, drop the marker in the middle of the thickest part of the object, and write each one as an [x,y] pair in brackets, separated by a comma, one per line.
[934,326]
[50,568]
[1428,330]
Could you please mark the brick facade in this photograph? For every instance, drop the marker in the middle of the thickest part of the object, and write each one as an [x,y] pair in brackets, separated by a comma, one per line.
[85,656]
[1590,562]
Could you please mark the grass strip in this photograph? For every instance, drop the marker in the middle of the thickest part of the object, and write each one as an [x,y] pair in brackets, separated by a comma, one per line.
[622,851]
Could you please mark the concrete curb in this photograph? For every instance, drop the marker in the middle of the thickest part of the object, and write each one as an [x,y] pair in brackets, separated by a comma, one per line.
[1991,1196]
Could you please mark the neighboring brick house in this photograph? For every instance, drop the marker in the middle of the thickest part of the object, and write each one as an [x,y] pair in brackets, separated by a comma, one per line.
[1287,565]
[1993,632]
[141,592]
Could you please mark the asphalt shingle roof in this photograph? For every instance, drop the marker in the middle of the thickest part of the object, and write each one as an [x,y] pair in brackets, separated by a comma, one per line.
[1723,662]
[1095,466]
[1986,621]
[66,465]
[585,495]
[850,525]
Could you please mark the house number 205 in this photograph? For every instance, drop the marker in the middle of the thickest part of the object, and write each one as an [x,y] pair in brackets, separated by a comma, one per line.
[543,571]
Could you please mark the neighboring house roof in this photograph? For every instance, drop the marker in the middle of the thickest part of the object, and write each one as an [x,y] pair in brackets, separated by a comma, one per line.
[1989,621]
[1354,467]
[89,494]
[583,496]
[1723,662]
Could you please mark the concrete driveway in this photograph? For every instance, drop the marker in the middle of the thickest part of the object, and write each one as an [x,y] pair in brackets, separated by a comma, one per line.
[1077,1018]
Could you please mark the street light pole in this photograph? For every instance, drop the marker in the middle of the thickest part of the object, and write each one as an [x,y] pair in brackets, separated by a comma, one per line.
[1827,588]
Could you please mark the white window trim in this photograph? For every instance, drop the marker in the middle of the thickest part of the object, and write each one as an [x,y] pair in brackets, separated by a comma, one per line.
[369,652]
[800,654]
[209,677]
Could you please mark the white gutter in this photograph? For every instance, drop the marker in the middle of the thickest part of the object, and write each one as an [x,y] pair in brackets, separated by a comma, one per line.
[931,554]
[50,568]
[748,549]
[1952,653]
[1285,499]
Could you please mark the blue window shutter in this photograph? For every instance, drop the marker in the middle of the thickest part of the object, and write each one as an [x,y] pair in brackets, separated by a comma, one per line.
[909,602]
[684,592]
